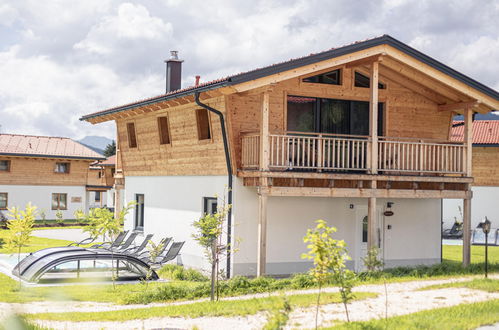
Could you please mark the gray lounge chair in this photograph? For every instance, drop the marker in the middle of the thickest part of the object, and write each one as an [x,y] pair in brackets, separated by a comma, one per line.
[172,253]
[136,250]
[125,245]
[115,243]
[146,255]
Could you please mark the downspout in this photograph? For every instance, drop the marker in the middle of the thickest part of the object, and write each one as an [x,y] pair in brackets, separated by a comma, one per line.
[229,173]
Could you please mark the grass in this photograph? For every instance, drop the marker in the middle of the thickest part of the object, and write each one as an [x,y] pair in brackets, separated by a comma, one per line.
[35,244]
[454,254]
[464,316]
[199,309]
[484,284]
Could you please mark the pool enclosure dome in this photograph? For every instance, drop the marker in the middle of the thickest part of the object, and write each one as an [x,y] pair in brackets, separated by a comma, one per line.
[73,262]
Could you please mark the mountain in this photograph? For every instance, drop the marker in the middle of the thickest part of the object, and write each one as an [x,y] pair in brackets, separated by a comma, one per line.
[480,116]
[96,143]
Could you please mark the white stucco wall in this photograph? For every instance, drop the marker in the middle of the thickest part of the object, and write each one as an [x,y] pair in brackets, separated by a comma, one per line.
[171,205]
[485,202]
[92,203]
[414,237]
[41,196]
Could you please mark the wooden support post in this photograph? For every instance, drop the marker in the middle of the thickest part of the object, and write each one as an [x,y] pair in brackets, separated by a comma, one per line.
[264,134]
[466,232]
[262,234]
[373,118]
[468,139]
[371,223]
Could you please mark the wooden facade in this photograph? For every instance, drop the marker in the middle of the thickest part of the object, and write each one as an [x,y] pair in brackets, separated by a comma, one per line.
[409,156]
[41,171]
[485,166]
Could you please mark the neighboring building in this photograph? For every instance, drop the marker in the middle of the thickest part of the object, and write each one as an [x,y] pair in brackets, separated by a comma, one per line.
[100,183]
[485,172]
[356,135]
[49,172]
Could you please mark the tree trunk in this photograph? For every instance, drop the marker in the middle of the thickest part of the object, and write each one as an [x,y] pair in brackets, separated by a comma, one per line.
[213,271]
[318,304]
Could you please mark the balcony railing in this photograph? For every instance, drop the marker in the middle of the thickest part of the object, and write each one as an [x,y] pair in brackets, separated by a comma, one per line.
[327,152]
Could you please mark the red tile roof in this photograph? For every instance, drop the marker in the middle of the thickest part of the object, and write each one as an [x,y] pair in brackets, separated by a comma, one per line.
[110,161]
[44,146]
[484,132]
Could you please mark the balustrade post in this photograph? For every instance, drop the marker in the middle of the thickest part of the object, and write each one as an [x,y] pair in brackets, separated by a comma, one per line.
[264,134]
[373,118]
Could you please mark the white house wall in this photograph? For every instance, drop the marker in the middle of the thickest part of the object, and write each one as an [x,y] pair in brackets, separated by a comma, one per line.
[485,203]
[414,237]
[171,205]
[41,196]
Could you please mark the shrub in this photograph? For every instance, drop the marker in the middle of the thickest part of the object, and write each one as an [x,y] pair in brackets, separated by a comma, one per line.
[239,283]
[179,273]
[302,281]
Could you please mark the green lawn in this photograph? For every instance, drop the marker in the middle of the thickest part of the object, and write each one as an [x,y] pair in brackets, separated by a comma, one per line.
[465,316]
[35,244]
[199,309]
[454,253]
[489,285]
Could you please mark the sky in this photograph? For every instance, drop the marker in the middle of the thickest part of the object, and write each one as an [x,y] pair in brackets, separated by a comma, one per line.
[60,60]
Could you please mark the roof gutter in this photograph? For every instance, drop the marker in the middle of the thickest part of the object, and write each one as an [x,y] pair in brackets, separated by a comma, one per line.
[229,173]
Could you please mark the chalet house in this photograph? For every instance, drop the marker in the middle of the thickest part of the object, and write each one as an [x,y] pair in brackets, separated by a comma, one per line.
[101,182]
[485,187]
[49,172]
[356,135]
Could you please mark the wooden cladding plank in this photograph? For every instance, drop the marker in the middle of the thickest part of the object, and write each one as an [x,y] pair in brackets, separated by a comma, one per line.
[485,169]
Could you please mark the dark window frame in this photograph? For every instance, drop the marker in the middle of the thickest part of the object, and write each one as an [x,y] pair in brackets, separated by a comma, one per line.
[317,113]
[67,166]
[164,137]
[358,75]
[210,205]
[138,221]
[131,135]
[365,228]
[6,201]
[58,198]
[98,193]
[322,78]
[9,164]
[204,133]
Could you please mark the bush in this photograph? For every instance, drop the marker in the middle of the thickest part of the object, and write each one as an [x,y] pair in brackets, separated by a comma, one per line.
[179,273]
[302,281]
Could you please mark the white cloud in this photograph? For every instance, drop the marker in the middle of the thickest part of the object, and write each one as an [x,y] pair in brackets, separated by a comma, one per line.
[8,14]
[132,22]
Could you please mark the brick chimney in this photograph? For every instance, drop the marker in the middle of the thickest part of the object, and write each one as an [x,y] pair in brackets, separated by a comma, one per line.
[173,72]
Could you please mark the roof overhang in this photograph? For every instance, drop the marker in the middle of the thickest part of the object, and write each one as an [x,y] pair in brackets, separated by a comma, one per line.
[384,45]
[49,156]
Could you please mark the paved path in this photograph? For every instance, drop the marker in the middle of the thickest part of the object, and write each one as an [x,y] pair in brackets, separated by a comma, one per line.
[74,234]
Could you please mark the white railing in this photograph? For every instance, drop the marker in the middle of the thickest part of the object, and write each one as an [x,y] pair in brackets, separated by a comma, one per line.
[350,153]
[416,156]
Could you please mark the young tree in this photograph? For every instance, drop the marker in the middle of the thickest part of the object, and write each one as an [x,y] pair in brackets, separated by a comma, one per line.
[110,149]
[329,256]
[374,265]
[209,236]
[20,226]
[102,222]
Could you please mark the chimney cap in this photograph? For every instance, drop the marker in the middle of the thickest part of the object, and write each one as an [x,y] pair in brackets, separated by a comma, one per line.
[173,57]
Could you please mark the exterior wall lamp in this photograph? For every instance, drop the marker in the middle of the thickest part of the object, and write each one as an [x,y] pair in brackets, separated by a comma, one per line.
[388,211]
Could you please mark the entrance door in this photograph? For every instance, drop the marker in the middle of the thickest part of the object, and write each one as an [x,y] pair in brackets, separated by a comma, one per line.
[361,234]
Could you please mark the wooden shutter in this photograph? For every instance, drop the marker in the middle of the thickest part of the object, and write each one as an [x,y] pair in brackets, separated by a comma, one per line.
[203,121]
[164,131]
[132,138]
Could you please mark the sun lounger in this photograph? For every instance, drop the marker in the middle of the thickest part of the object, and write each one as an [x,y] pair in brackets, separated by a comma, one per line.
[115,243]
[172,253]
[139,248]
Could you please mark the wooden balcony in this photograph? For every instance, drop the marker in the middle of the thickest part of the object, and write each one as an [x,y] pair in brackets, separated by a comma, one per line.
[342,153]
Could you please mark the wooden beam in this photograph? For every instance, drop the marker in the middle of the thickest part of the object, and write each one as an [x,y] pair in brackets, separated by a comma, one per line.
[363,193]
[373,117]
[262,235]
[468,139]
[466,232]
[457,106]
[368,60]
[264,133]
[371,222]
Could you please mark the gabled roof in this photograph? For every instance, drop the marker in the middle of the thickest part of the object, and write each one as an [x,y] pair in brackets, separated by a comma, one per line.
[110,161]
[44,146]
[485,132]
[299,62]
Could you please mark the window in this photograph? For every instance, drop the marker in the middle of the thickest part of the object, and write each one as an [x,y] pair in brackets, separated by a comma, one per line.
[365,82]
[61,168]
[209,205]
[139,212]
[3,201]
[330,78]
[59,201]
[203,121]
[364,229]
[97,196]
[164,131]
[4,165]
[132,138]
[316,115]
[99,175]
[112,172]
